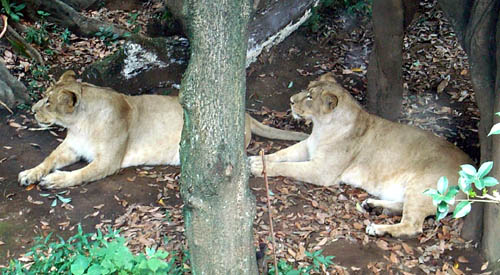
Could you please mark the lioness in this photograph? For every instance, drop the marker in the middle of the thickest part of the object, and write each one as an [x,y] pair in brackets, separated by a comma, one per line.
[113,131]
[392,161]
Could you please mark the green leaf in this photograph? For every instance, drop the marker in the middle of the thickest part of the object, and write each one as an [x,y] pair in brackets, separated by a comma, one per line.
[495,130]
[436,197]
[155,264]
[442,185]
[464,184]
[449,198]
[469,169]
[54,203]
[443,207]
[484,169]
[479,184]
[462,209]
[79,265]
[290,85]
[490,181]
[441,215]
[95,269]
[431,192]
[44,194]
[293,272]
[63,199]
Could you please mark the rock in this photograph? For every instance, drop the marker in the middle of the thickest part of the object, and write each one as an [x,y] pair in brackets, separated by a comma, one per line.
[142,65]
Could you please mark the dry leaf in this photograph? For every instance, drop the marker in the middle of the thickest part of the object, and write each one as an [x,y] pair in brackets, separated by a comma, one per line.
[462,259]
[382,244]
[30,200]
[30,187]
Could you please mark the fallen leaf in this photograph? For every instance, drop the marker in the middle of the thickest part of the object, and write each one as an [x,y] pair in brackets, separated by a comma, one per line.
[30,187]
[99,206]
[462,259]
[382,244]
[30,200]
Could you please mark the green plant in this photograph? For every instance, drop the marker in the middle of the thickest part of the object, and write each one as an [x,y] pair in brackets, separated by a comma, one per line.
[358,6]
[92,254]
[56,197]
[12,10]
[319,263]
[65,36]
[107,35]
[41,72]
[40,35]
[133,21]
[444,197]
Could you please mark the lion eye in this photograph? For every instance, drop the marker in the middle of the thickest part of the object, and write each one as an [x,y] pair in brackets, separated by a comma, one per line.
[308,96]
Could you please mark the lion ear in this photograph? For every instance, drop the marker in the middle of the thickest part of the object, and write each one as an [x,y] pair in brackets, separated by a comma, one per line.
[330,102]
[69,100]
[68,76]
[328,77]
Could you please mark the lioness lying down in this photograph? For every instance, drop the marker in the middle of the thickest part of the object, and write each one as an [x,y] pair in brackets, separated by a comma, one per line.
[392,161]
[113,131]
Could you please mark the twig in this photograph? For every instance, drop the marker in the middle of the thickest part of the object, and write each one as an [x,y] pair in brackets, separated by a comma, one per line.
[6,107]
[490,201]
[4,18]
[269,211]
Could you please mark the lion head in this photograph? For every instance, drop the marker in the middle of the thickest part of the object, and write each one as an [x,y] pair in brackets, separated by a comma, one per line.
[321,98]
[59,101]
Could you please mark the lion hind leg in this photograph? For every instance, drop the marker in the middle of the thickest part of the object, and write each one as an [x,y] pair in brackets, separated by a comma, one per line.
[391,208]
[415,209]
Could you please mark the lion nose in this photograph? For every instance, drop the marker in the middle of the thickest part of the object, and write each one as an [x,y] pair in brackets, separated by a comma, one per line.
[291,101]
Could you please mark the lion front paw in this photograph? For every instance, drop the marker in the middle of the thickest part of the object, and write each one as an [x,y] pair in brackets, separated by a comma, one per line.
[58,179]
[371,230]
[256,166]
[30,176]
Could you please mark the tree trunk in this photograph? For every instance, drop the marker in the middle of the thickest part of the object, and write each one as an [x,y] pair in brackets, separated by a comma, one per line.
[476,23]
[12,91]
[385,82]
[491,216]
[218,205]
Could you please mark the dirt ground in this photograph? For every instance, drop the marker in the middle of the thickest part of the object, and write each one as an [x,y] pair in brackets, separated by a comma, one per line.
[306,217]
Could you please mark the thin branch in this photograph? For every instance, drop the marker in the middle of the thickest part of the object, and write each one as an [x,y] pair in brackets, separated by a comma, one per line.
[6,107]
[269,210]
[4,18]
[490,201]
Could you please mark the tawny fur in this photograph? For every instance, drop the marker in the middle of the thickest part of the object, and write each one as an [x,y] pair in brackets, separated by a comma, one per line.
[392,161]
[113,131]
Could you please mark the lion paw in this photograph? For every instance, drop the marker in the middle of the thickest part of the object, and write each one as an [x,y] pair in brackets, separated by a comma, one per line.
[30,176]
[57,179]
[371,230]
[366,205]
[256,166]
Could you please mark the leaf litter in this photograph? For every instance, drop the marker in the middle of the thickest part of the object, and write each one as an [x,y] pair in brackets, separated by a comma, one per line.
[438,97]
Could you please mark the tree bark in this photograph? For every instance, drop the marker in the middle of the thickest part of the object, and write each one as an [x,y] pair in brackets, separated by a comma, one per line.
[385,83]
[491,216]
[476,22]
[219,207]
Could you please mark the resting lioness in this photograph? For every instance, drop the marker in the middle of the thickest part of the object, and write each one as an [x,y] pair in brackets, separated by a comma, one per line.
[113,131]
[392,161]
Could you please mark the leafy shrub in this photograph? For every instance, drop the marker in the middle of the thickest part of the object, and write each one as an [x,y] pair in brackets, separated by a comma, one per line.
[444,197]
[12,9]
[92,254]
[40,35]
